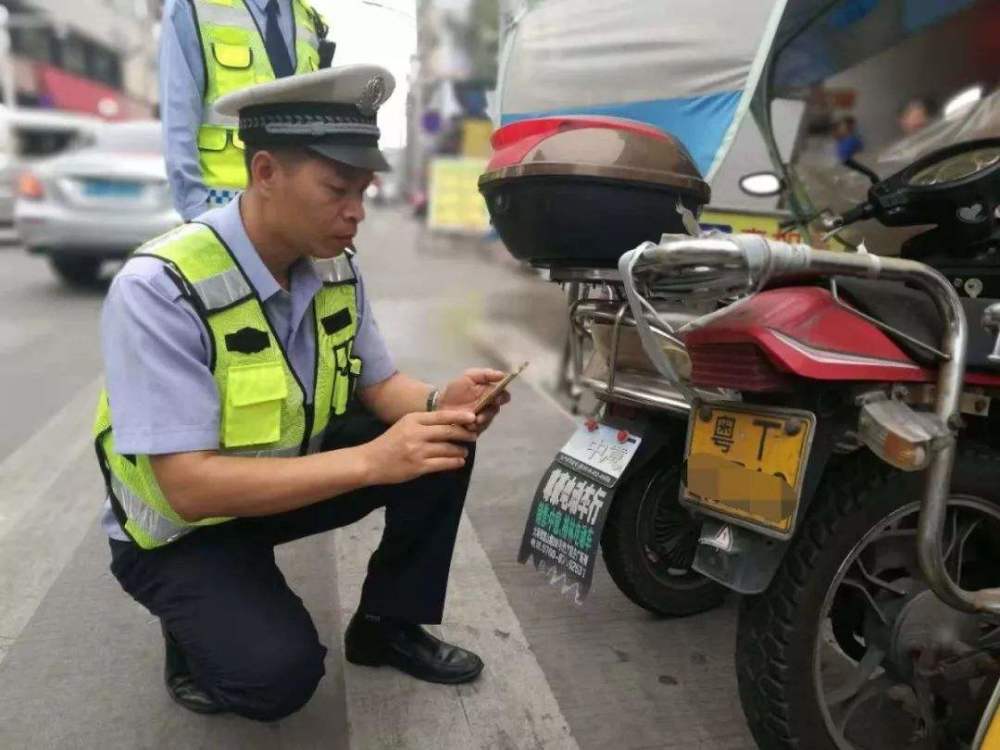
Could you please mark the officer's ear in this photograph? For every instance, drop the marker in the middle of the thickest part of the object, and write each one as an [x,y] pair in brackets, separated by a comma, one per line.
[262,166]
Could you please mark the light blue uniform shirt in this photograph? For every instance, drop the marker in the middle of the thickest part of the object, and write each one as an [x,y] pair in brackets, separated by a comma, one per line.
[163,396]
[182,92]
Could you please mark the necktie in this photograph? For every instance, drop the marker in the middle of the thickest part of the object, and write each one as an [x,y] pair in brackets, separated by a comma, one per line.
[277,50]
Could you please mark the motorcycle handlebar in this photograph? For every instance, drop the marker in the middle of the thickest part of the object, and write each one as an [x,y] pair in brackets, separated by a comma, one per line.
[860,212]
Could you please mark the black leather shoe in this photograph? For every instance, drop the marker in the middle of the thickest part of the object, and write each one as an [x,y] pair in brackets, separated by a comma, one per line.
[180,684]
[373,642]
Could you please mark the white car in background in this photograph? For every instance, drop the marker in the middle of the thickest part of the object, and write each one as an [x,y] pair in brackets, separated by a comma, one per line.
[97,203]
[28,135]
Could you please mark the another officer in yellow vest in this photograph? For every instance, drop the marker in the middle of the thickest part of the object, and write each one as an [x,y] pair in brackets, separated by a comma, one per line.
[234,348]
[210,48]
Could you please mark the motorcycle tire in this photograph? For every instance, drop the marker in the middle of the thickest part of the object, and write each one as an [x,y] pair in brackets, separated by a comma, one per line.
[777,630]
[626,553]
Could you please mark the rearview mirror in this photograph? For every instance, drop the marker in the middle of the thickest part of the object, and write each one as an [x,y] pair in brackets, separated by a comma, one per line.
[761,184]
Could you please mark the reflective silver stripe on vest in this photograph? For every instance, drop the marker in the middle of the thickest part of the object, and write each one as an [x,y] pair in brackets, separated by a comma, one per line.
[225,15]
[174,235]
[152,523]
[211,117]
[222,290]
[302,34]
[334,270]
[315,443]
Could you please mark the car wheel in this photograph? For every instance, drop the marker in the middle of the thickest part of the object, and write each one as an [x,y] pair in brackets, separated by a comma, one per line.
[76,271]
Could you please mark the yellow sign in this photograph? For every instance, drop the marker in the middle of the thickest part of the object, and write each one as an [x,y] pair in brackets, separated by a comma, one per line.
[733,222]
[476,138]
[748,463]
[455,203]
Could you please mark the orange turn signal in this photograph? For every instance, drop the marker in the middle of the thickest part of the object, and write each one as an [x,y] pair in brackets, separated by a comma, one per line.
[30,187]
[901,436]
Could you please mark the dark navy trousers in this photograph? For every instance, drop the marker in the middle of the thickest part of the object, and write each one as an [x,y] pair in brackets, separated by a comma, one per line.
[248,638]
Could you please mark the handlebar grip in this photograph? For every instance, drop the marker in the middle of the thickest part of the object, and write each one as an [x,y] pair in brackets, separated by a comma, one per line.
[860,212]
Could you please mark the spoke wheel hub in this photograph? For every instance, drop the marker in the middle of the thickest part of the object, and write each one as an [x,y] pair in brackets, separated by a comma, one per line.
[927,625]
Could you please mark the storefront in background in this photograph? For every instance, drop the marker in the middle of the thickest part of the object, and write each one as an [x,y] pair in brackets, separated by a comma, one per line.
[58,89]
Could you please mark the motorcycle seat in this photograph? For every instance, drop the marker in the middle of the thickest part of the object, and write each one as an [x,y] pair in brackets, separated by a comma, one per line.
[914,313]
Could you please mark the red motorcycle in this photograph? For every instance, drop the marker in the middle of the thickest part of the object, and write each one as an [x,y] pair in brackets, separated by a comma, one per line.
[811,429]
[848,477]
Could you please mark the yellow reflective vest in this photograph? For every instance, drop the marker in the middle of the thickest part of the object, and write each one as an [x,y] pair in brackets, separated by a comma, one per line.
[235,57]
[264,408]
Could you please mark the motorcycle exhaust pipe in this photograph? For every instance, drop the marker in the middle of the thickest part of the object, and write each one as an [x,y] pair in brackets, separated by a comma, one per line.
[721,264]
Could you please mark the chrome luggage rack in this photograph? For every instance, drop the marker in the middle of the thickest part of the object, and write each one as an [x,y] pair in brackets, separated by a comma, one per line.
[606,376]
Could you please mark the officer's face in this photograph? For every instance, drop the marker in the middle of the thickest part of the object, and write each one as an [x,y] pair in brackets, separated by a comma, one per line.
[323,202]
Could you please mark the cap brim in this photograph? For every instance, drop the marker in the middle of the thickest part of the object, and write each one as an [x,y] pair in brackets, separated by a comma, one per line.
[362,157]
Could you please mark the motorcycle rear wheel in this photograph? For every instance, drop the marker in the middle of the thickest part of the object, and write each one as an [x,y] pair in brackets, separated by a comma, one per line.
[822,656]
[649,542]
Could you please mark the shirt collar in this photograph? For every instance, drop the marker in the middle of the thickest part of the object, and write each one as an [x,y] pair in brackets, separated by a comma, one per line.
[228,222]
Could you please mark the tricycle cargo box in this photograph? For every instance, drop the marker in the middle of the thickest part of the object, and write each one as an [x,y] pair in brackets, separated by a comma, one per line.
[578,191]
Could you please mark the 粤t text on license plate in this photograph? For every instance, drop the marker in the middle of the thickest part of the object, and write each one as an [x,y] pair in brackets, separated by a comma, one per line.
[746,463]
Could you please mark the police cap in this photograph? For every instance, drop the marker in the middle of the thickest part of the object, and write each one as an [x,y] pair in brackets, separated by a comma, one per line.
[332,112]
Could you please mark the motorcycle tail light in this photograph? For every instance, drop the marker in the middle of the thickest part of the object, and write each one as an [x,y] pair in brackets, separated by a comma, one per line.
[899,435]
[741,367]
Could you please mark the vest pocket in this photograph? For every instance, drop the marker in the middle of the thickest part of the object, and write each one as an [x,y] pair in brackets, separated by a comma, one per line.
[235,56]
[255,394]
[212,138]
[235,65]
[220,154]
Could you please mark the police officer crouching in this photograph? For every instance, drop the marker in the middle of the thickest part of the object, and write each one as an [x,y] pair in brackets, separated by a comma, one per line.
[234,349]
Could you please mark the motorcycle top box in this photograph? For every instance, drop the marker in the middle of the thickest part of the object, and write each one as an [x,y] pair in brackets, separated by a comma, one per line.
[578,191]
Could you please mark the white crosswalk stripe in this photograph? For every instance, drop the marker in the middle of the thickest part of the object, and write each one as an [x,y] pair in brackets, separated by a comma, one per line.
[39,529]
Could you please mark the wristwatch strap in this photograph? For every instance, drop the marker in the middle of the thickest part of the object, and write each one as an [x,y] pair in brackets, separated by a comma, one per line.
[432,399]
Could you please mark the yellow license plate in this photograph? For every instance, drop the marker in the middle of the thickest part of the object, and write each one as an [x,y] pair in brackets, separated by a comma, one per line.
[747,463]
[991,741]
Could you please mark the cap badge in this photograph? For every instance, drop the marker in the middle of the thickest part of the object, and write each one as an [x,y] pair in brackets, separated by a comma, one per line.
[373,95]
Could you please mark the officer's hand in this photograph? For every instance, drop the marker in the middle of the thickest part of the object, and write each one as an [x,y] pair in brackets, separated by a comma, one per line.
[421,443]
[463,392]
